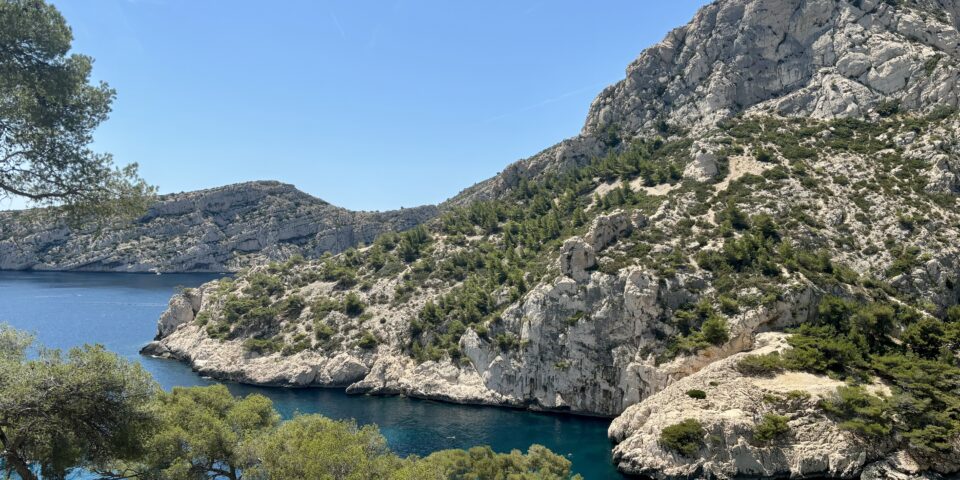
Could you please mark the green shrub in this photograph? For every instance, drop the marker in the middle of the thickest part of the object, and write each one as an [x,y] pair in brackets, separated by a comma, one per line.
[763,156]
[888,108]
[235,308]
[352,305]
[412,243]
[685,438]
[506,341]
[368,341]
[295,348]
[760,365]
[737,218]
[262,284]
[697,394]
[322,307]
[344,276]
[823,350]
[218,330]
[322,330]
[202,318]
[729,305]
[715,330]
[291,306]
[798,395]
[930,64]
[770,427]
[261,346]
[861,412]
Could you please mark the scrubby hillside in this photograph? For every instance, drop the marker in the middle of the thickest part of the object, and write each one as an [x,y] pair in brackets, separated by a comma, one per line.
[218,230]
[645,251]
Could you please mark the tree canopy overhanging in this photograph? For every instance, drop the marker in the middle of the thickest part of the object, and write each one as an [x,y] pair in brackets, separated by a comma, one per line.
[49,109]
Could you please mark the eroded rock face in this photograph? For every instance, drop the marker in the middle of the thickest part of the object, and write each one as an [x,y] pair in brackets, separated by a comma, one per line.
[217,230]
[818,59]
[582,345]
[576,257]
[180,311]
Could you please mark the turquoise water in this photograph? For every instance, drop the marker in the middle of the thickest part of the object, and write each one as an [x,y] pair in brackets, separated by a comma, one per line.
[120,312]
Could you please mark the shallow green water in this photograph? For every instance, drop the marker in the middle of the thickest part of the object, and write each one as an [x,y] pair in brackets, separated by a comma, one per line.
[120,312]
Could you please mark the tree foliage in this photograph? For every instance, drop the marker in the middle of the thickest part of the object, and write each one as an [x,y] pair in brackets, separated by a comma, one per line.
[203,432]
[312,446]
[62,411]
[90,410]
[539,463]
[856,340]
[48,112]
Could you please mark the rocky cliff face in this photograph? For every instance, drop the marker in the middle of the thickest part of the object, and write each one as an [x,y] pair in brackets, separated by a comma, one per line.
[216,230]
[768,155]
[811,59]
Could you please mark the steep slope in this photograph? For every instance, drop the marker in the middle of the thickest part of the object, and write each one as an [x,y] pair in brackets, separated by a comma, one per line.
[595,302]
[806,58]
[677,227]
[220,229]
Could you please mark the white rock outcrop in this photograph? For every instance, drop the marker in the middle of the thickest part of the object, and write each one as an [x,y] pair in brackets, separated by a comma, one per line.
[816,59]
[815,446]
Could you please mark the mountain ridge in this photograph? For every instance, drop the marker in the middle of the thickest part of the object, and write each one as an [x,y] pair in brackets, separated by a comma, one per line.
[219,229]
[689,80]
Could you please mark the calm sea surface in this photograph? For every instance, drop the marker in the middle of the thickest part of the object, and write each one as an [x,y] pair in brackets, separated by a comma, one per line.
[120,312]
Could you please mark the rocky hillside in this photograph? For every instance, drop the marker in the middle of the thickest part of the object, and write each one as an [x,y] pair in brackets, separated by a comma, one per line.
[816,59]
[749,257]
[215,230]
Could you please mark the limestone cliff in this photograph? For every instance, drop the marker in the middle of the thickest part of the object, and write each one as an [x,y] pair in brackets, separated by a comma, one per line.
[770,154]
[813,59]
[216,230]
[603,316]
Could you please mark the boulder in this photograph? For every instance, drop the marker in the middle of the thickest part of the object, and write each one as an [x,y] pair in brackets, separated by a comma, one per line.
[576,258]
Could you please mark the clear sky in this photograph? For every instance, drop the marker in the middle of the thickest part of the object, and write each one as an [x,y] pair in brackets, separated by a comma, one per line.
[370,105]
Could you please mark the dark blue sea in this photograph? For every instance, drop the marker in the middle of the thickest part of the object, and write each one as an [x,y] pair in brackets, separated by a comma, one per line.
[120,312]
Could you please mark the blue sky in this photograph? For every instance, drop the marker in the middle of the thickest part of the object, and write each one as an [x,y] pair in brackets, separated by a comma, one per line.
[368,105]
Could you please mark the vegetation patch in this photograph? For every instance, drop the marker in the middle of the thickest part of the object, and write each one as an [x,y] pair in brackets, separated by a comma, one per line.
[760,365]
[685,438]
[697,394]
[770,428]
[855,340]
[262,346]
